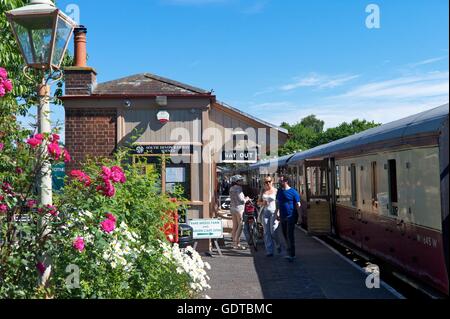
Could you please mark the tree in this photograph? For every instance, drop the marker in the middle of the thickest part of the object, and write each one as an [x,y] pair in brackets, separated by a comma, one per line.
[343,130]
[313,123]
[309,133]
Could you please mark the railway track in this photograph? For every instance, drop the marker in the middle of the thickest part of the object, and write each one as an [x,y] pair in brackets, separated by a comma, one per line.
[403,284]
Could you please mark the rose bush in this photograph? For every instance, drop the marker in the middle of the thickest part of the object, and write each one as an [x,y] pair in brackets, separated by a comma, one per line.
[102,238]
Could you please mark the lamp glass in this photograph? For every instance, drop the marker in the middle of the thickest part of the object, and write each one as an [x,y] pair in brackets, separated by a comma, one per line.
[34,34]
[63,33]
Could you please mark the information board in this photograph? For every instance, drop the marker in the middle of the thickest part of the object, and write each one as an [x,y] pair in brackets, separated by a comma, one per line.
[207,228]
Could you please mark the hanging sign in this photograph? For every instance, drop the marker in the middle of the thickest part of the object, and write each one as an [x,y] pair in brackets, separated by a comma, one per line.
[249,156]
[163,149]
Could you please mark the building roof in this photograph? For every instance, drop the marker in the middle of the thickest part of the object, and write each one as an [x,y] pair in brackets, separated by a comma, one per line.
[428,122]
[146,84]
[235,110]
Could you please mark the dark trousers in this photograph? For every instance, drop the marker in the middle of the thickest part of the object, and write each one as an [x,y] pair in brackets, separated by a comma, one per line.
[288,227]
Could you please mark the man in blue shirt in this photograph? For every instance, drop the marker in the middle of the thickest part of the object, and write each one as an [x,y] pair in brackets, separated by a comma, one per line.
[288,204]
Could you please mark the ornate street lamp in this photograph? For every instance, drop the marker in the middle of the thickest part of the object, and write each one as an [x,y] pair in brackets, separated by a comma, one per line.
[43,33]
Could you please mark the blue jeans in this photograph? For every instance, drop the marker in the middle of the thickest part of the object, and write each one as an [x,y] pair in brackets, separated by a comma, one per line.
[271,239]
[288,226]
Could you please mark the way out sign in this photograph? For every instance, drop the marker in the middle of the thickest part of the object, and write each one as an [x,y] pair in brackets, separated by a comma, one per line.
[206,228]
[240,156]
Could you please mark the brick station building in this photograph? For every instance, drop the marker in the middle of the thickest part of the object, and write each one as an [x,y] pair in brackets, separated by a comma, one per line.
[101,117]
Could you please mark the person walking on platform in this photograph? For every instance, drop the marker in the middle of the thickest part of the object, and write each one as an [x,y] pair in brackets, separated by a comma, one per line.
[288,204]
[267,202]
[238,200]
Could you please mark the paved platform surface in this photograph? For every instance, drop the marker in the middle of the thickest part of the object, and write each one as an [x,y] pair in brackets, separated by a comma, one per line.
[317,273]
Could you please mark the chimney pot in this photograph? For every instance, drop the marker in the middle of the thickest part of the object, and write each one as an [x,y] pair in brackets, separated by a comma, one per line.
[80,58]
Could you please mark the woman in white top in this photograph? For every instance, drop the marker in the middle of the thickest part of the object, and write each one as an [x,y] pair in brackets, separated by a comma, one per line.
[267,201]
[237,207]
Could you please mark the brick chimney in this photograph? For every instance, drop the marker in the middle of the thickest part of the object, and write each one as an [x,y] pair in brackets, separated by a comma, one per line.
[80,79]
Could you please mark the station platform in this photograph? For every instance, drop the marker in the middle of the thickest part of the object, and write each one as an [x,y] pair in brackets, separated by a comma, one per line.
[318,272]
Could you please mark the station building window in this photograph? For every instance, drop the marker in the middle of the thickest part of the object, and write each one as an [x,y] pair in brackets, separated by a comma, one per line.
[173,172]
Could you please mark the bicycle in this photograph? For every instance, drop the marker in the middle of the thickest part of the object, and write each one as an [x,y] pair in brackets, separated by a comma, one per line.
[251,225]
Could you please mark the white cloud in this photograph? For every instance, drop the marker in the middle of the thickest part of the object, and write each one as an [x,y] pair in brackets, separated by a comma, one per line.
[429,61]
[426,85]
[319,81]
[335,114]
[382,101]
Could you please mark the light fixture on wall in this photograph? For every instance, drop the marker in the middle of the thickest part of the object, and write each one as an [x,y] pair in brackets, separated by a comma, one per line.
[161,100]
[127,103]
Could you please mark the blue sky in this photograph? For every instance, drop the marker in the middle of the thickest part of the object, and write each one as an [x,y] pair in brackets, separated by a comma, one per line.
[280,60]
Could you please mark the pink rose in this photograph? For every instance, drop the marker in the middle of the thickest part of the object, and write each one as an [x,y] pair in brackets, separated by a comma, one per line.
[33,142]
[111,217]
[54,150]
[3,208]
[7,188]
[108,225]
[1,146]
[106,172]
[67,158]
[78,244]
[107,189]
[3,73]
[39,136]
[7,84]
[52,210]
[82,177]
[117,175]
[2,91]
[31,203]
[55,138]
[41,267]
[19,170]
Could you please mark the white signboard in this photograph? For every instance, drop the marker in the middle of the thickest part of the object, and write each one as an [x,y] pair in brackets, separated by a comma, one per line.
[175,175]
[207,228]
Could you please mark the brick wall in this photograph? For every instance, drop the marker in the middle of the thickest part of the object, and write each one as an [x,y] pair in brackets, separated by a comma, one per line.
[79,81]
[90,132]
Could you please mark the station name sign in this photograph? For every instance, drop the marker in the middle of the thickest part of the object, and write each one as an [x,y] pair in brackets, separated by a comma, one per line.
[248,156]
[163,149]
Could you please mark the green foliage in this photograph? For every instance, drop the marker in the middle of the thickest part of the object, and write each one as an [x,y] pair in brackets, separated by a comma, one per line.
[308,133]
[313,123]
[24,92]
[344,130]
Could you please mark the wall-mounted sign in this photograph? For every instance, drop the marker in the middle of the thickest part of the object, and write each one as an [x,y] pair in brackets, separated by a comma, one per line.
[249,156]
[163,117]
[163,149]
[207,228]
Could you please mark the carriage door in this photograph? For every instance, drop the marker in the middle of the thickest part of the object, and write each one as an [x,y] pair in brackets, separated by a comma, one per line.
[332,193]
[318,196]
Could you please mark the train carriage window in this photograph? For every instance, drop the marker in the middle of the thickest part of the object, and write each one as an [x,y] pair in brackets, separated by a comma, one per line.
[393,193]
[374,181]
[338,178]
[353,184]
